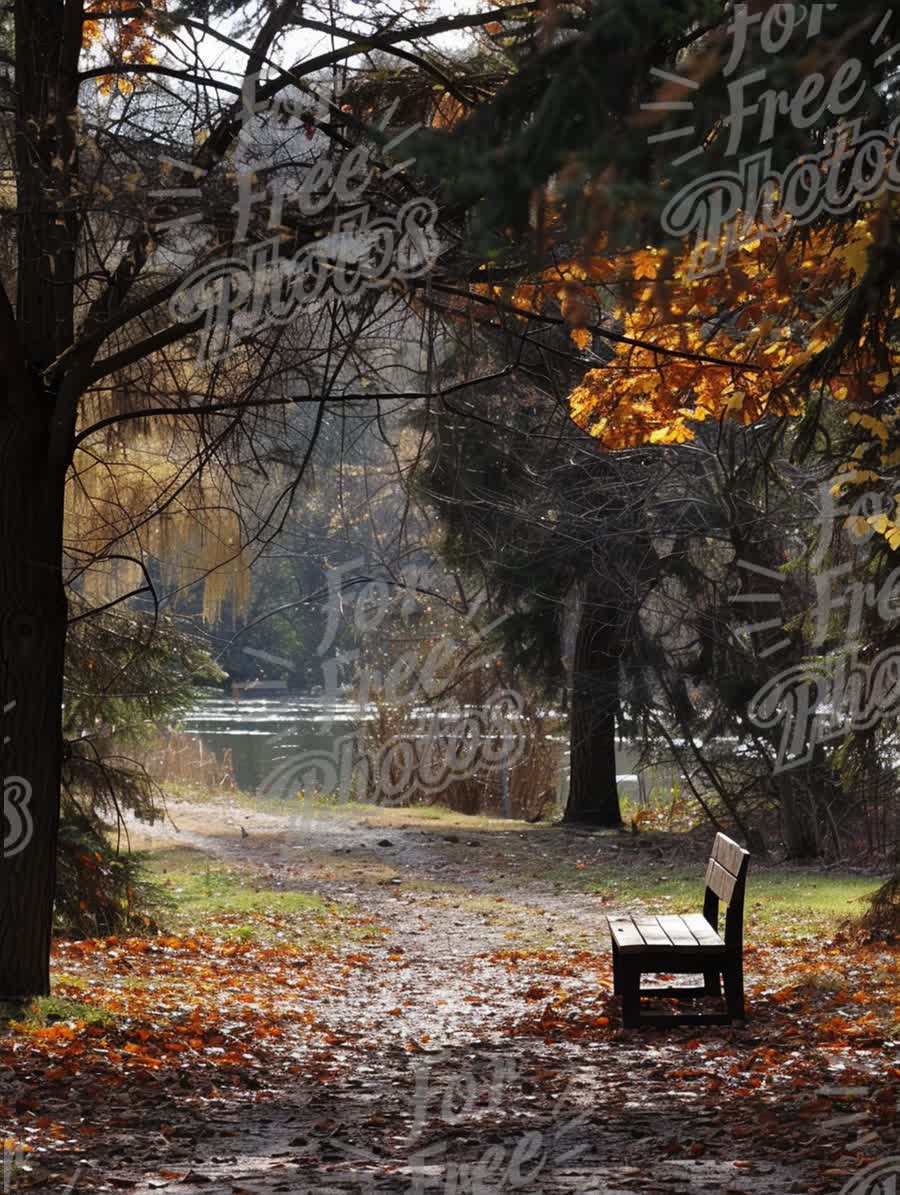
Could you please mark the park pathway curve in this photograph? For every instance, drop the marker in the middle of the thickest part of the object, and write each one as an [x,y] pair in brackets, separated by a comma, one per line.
[478,1052]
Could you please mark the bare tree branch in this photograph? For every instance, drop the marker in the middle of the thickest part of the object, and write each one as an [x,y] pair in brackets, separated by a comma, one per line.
[289,401]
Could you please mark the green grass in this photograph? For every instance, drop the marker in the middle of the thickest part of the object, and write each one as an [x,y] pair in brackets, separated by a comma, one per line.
[780,902]
[42,1012]
[401,815]
[411,814]
[791,902]
[333,806]
[199,886]
[232,901]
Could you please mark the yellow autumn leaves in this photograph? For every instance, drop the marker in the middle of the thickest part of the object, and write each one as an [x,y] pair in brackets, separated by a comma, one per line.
[139,502]
[749,342]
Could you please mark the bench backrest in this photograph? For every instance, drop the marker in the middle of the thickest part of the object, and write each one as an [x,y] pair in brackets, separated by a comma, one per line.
[726,879]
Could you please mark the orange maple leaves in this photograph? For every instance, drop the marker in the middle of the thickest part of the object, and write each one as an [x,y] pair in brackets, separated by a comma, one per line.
[757,339]
[127,38]
[731,345]
[200,1001]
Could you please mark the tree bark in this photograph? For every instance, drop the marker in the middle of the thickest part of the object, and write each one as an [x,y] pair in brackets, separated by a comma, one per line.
[797,829]
[32,639]
[593,792]
[37,424]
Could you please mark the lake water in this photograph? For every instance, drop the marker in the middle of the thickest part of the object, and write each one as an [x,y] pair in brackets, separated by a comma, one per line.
[264,735]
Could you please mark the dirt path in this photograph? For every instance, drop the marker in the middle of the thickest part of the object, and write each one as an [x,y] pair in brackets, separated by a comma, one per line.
[479,1052]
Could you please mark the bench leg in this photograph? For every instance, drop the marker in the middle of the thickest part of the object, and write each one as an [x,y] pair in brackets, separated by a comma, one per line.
[630,983]
[734,989]
[617,973]
[712,985]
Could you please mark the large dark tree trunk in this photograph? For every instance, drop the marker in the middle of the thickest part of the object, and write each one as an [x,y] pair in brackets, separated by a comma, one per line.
[32,638]
[593,793]
[37,424]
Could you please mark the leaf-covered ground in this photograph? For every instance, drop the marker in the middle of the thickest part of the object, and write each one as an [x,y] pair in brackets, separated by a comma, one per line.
[378,1001]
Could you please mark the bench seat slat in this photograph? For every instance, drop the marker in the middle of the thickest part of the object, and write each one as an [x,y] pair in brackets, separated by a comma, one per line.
[677,930]
[667,934]
[652,932]
[626,934]
[702,930]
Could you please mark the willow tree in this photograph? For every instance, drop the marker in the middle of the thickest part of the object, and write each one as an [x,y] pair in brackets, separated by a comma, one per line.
[127,153]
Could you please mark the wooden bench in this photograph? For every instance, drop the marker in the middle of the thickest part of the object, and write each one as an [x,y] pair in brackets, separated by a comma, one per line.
[689,945]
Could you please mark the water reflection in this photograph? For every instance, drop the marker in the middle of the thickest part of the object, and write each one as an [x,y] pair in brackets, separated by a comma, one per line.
[263,734]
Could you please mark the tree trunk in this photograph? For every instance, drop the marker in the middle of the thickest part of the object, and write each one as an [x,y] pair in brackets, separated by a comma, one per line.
[593,793]
[797,829]
[32,640]
[37,423]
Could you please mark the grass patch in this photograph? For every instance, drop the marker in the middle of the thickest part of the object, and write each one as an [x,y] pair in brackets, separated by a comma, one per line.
[197,885]
[791,902]
[187,790]
[231,901]
[427,815]
[333,808]
[42,1012]
[424,817]
[781,902]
